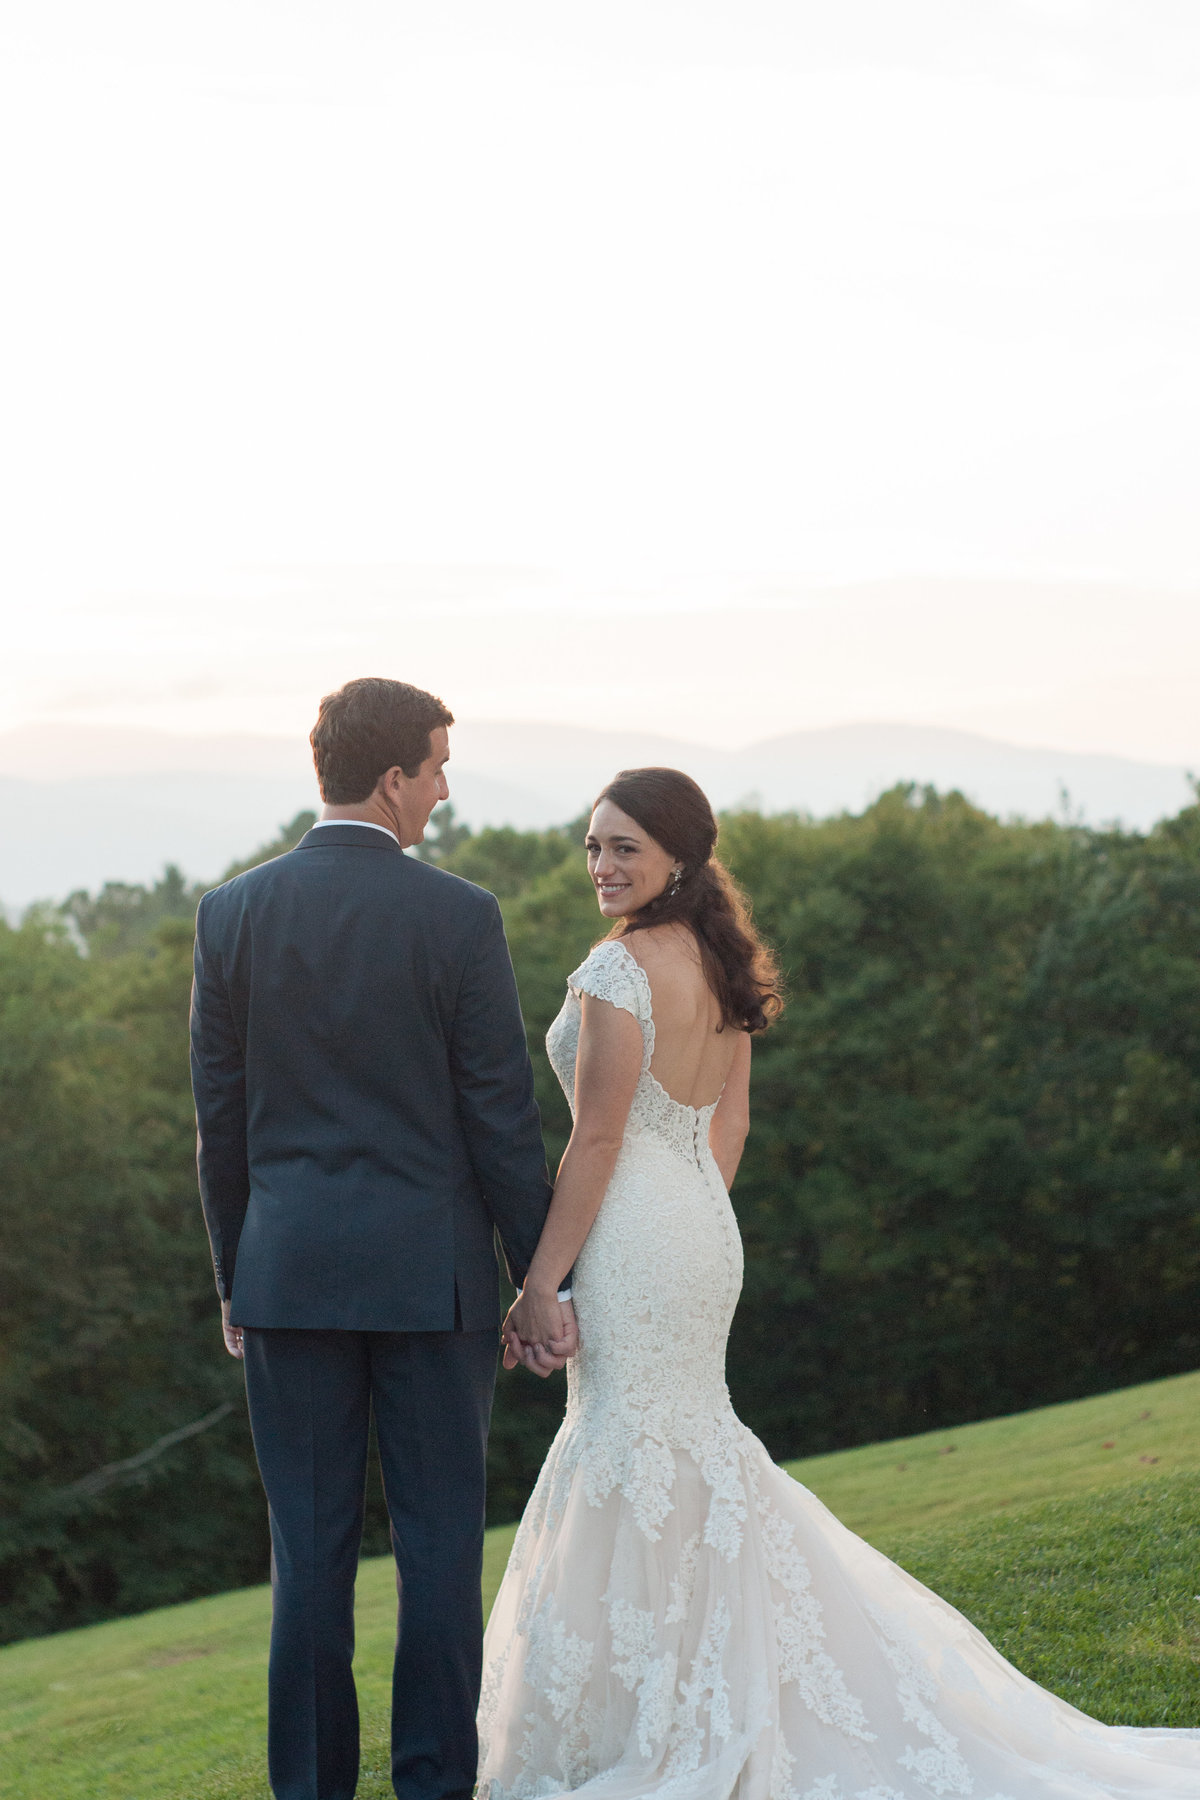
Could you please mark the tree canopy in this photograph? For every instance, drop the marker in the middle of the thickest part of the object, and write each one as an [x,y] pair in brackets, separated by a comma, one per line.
[972,1183]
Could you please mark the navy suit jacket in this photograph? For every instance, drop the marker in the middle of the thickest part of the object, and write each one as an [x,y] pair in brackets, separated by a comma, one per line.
[364,1097]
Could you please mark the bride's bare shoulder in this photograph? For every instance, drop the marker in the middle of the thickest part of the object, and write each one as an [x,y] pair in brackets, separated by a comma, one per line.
[666,950]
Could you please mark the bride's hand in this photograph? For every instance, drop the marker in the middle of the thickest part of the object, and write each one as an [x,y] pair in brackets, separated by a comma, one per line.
[540,1332]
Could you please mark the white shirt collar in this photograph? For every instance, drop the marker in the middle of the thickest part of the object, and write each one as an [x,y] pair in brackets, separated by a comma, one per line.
[367,825]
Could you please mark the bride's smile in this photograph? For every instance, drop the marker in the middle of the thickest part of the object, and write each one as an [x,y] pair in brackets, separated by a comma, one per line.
[628,869]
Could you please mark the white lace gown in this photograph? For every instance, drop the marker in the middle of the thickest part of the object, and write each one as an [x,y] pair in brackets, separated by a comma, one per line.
[680,1619]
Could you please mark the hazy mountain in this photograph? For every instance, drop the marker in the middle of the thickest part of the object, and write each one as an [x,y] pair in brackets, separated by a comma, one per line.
[56,836]
[826,771]
[82,805]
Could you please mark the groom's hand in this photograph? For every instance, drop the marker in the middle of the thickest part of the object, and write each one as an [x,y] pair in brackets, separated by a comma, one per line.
[233,1333]
[540,1332]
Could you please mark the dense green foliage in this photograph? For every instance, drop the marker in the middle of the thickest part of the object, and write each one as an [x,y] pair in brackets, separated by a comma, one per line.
[1079,1570]
[973,1178]
[971,1186]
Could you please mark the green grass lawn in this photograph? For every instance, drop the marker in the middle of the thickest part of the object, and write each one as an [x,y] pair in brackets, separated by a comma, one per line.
[1070,1535]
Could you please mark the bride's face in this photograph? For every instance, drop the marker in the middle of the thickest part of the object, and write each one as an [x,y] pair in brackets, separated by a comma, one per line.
[628,868]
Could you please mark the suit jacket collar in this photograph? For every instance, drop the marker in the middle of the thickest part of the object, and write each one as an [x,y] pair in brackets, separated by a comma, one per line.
[347,835]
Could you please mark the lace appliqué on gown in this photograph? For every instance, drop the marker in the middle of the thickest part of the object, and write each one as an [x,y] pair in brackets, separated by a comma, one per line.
[681,1620]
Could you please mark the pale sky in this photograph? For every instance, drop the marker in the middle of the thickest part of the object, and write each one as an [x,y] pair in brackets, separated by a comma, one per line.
[581,360]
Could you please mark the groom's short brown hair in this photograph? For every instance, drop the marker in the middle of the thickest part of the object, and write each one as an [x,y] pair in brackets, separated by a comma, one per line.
[367,727]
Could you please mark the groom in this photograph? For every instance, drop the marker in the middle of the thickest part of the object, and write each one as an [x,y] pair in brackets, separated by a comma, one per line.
[367,1126]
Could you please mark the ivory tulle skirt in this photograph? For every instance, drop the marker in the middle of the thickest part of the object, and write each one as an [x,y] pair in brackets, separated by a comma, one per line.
[792,1662]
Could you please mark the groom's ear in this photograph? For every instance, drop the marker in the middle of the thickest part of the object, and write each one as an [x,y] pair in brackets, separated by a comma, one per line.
[390,782]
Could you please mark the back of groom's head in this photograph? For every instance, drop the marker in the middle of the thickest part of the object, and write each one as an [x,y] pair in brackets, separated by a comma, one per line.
[368,727]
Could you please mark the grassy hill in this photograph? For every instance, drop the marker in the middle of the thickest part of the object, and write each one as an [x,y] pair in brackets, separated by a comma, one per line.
[1070,1535]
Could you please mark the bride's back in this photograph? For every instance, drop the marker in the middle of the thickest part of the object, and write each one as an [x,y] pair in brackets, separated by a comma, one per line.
[692,1055]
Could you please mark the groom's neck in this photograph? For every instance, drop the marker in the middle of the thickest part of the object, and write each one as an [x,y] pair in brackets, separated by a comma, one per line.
[368,812]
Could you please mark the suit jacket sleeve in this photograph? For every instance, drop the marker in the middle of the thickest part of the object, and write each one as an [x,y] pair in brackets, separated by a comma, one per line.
[493,1077]
[219,1087]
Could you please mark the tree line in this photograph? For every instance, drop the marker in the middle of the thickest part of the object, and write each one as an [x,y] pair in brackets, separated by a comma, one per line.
[971,1184]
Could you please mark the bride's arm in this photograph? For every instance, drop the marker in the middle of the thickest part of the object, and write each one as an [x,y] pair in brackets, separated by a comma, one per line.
[731,1121]
[606,1073]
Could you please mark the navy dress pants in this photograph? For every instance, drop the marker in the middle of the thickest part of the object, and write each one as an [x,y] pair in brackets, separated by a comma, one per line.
[311,1396]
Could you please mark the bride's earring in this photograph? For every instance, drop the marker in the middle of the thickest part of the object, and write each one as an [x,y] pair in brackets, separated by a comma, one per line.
[676,878]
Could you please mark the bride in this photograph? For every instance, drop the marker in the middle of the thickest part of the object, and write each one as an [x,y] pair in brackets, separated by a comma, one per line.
[679,1618]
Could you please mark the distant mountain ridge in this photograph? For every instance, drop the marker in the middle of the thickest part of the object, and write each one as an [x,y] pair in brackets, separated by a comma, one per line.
[831,769]
[81,805]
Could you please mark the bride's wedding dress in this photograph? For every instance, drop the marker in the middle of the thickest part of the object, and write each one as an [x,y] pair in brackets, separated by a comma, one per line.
[682,1620]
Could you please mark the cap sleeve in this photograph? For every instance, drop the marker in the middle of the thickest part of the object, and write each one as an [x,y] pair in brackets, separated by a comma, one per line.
[612,973]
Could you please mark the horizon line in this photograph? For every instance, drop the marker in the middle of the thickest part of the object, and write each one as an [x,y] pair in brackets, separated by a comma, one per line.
[164,733]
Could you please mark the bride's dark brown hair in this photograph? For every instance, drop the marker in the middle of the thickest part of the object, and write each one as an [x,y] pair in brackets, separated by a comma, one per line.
[740,969]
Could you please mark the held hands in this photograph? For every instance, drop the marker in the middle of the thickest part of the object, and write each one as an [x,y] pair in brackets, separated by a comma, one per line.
[233,1333]
[540,1332]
